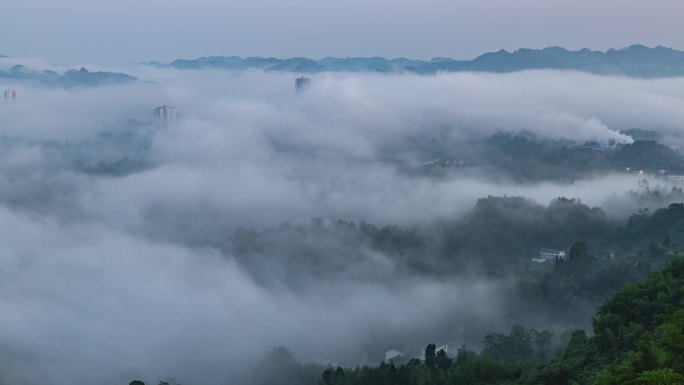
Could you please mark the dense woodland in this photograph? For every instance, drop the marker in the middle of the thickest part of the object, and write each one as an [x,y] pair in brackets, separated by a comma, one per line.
[638,338]
[519,227]
[525,157]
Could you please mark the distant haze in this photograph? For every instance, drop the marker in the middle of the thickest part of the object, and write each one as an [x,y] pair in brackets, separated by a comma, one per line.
[130,31]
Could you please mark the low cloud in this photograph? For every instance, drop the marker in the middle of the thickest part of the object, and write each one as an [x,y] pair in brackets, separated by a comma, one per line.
[106,278]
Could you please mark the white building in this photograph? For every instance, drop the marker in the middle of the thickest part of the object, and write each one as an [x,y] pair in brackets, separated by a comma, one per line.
[393,355]
[165,114]
[550,255]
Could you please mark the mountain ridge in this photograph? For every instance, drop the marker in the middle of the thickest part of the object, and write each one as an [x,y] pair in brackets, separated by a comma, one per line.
[633,61]
[69,79]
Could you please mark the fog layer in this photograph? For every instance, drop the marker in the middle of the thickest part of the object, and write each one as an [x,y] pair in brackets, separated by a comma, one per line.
[110,267]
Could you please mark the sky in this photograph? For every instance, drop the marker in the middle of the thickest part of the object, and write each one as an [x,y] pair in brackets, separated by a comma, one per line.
[130,31]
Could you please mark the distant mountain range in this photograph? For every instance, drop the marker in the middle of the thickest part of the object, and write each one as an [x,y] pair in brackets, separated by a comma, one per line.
[69,79]
[634,61]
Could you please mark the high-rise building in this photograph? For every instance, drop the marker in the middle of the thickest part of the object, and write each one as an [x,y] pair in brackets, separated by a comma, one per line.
[301,84]
[165,114]
[11,95]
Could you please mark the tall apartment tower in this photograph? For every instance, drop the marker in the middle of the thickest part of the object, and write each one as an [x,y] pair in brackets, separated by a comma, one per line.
[11,95]
[301,84]
[165,114]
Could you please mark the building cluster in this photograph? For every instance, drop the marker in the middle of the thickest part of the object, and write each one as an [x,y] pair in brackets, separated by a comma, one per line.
[665,174]
[165,114]
[436,162]
[11,95]
[662,173]
[550,255]
[634,170]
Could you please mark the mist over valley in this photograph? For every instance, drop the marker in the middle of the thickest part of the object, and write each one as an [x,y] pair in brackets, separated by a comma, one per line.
[247,233]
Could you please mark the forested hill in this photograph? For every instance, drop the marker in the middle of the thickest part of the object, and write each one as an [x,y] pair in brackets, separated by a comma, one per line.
[495,242]
[634,61]
[638,340]
[525,157]
[499,234]
[69,79]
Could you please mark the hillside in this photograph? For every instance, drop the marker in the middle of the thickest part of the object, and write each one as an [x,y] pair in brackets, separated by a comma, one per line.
[638,339]
[69,79]
[634,61]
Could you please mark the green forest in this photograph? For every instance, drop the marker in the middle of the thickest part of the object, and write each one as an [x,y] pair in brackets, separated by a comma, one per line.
[638,339]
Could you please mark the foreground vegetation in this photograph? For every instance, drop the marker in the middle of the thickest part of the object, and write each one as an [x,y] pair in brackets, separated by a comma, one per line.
[638,339]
